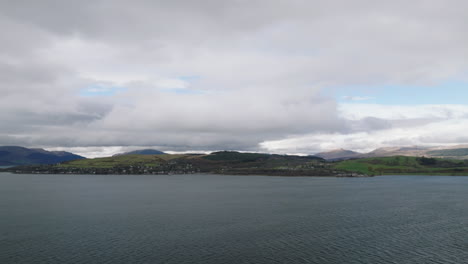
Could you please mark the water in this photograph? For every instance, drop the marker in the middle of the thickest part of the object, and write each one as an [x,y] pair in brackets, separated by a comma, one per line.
[232,219]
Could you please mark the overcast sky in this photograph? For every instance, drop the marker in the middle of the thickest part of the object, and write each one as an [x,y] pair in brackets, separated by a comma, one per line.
[98,77]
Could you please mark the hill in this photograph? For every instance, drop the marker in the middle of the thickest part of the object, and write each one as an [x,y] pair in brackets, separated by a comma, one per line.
[236,163]
[398,151]
[142,152]
[405,165]
[14,155]
[452,152]
[339,154]
[224,162]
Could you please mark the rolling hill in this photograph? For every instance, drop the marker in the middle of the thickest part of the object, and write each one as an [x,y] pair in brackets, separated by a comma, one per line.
[142,152]
[15,155]
[339,154]
[452,152]
[223,162]
[405,165]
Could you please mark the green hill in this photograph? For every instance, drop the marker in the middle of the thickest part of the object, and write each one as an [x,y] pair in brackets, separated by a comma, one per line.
[236,156]
[143,152]
[237,163]
[449,152]
[224,162]
[405,165]
[116,161]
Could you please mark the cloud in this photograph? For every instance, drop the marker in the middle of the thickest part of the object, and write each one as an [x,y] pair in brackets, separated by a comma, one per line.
[357,98]
[374,126]
[265,71]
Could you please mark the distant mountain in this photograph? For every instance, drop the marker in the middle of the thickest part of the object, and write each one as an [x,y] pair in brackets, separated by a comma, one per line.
[453,152]
[142,152]
[339,154]
[14,155]
[398,151]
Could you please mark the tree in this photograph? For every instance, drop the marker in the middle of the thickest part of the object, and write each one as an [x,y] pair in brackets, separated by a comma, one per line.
[427,161]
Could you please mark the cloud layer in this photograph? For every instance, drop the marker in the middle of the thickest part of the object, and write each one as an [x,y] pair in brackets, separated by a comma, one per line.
[210,75]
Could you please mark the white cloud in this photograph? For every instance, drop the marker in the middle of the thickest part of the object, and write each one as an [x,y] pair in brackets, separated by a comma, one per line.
[357,98]
[423,125]
[397,112]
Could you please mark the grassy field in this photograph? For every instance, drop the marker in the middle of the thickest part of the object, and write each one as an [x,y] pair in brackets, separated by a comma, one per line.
[236,156]
[405,165]
[155,160]
[462,152]
[123,160]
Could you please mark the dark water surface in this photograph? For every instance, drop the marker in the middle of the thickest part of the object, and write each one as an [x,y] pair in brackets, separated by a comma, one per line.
[232,219]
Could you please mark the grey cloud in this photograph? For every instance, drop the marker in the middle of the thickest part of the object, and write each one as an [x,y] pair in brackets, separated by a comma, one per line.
[370,123]
[262,65]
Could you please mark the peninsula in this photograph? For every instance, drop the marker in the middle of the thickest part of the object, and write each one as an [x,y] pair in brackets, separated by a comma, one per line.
[223,162]
[238,163]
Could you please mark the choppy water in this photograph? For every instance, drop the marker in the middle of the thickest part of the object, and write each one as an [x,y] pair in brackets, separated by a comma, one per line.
[232,219]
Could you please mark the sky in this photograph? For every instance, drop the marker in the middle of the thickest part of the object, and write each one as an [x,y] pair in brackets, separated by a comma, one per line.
[284,76]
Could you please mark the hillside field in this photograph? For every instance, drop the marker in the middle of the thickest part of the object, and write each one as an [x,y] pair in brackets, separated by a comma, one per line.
[405,165]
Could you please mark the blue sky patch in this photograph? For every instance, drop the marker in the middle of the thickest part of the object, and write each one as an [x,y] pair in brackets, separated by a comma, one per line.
[189,78]
[452,92]
[182,91]
[101,90]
